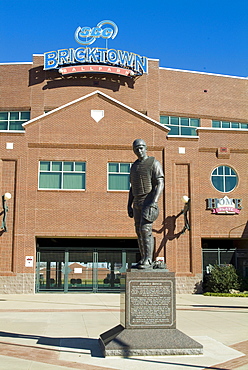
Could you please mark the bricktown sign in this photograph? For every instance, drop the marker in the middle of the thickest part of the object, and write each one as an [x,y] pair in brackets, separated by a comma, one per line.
[95,60]
[224,205]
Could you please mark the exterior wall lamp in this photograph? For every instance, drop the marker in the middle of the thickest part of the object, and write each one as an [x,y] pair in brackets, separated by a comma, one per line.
[5,197]
[185,211]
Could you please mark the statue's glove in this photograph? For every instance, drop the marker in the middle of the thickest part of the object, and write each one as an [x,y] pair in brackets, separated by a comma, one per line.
[150,212]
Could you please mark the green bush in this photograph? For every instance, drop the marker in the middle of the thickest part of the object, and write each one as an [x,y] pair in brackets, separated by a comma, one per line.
[221,279]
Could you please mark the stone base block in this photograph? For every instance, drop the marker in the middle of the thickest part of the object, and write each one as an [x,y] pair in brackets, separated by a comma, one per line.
[119,341]
[20,283]
[189,284]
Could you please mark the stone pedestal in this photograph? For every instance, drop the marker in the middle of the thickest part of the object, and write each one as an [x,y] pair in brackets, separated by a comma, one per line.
[148,319]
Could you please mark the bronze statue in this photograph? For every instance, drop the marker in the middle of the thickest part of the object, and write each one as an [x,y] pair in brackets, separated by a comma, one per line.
[147,183]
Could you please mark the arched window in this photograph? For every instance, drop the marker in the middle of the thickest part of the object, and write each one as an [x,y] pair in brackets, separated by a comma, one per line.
[224,179]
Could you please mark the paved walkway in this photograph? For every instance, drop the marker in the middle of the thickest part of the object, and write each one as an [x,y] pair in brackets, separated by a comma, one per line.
[61,331]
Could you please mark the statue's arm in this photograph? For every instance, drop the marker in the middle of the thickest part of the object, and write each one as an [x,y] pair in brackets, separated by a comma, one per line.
[158,189]
[158,180]
[130,203]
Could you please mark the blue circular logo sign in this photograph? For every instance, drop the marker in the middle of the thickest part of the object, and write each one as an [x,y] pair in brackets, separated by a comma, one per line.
[87,35]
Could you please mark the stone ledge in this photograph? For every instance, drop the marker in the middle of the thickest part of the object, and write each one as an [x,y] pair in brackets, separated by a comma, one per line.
[119,341]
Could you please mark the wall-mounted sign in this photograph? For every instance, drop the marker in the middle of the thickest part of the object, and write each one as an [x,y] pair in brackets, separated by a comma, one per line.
[224,205]
[29,261]
[133,64]
[78,270]
[97,69]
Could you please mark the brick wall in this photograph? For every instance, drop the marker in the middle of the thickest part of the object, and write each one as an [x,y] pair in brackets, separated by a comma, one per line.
[70,134]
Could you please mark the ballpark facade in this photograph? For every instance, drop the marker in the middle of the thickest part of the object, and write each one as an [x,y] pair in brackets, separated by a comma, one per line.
[65,153]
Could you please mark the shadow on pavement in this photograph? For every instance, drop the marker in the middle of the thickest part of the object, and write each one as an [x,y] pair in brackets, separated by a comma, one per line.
[204,306]
[88,344]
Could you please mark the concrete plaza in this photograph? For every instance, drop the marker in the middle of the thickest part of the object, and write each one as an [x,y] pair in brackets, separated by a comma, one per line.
[61,331]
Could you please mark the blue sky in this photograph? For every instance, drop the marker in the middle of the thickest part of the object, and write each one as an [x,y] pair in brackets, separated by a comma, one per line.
[207,36]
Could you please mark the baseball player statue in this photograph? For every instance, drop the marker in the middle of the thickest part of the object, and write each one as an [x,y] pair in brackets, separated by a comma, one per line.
[147,183]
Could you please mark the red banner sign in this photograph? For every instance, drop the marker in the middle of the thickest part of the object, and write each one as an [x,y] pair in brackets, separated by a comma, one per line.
[95,69]
[229,210]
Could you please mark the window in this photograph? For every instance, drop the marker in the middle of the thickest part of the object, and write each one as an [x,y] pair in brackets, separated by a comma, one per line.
[180,126]
[218,256]
[119,176]
[227,124]
[10,121]
[224,179]
[62,175]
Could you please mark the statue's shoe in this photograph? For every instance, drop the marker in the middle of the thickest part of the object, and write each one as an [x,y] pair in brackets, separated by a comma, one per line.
[138,264]
[146,264]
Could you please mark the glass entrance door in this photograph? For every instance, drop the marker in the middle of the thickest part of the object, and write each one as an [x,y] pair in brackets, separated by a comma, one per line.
[79,274]
[109,270]
[81,267]
[50,270]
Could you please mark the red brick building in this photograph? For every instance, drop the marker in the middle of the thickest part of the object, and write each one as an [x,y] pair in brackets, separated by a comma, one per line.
[66,149]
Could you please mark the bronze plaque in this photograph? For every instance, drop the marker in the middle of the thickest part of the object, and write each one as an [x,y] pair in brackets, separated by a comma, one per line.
[151,303]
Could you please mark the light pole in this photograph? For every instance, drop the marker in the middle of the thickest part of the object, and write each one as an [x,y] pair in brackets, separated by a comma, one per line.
[5,197]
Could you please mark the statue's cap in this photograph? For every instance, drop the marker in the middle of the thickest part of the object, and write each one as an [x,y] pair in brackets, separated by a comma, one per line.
[138,142]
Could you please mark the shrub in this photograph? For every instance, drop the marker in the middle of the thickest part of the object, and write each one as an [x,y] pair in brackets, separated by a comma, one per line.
[222,279]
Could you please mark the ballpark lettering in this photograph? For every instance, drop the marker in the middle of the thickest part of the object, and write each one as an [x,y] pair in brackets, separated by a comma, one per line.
[135,62]
[95,68]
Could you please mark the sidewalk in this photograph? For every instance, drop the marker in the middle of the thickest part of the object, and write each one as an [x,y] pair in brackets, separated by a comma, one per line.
[61,331]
